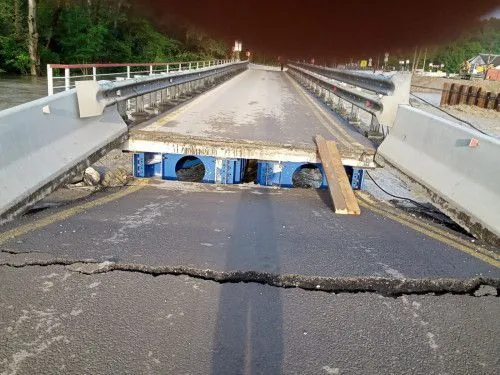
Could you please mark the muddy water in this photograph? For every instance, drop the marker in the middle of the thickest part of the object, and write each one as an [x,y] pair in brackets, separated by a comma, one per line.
[15,90]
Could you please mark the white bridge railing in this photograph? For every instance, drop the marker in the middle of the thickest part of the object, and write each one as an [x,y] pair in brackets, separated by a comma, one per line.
[57,82]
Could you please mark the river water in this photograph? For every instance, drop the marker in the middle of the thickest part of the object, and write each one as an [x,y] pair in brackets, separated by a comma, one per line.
[15,90]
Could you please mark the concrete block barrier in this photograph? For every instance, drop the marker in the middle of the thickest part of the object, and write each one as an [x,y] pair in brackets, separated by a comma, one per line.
[44,143]
[458,166]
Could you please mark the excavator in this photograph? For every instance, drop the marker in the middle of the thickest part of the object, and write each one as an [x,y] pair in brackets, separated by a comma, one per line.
[465,70]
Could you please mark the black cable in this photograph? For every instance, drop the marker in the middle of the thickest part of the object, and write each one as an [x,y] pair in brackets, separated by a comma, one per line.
[451,115]
[403,198]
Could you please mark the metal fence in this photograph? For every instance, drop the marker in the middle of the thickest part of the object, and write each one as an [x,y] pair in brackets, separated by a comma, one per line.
[62,77]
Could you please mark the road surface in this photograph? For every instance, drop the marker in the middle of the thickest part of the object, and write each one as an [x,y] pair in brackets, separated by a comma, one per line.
[262,106]
[165,277]
[72,320]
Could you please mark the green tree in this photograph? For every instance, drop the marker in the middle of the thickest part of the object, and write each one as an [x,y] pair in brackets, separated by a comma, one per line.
[90,31]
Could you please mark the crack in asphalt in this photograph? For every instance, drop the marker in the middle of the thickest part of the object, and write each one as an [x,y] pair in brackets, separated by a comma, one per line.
[17,252]
[386,286]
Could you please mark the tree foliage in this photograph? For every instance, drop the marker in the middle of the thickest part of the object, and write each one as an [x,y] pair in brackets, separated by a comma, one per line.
[94,31]
[486,39]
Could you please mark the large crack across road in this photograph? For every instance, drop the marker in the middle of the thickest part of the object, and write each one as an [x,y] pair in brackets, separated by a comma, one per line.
[386,286]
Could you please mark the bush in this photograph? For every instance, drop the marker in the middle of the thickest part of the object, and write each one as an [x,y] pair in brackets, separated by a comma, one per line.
[14,56]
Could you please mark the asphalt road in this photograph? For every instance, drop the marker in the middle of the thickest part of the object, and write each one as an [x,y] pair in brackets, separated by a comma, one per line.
[57,321]
[258,105]
[245,227]
[171,278]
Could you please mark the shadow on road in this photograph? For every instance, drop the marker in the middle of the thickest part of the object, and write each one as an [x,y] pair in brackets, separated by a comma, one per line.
[248,336]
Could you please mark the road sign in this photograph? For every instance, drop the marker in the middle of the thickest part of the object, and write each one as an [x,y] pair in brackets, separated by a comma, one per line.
[363,63]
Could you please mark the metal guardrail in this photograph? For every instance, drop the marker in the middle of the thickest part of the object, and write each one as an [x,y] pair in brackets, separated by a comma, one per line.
[378,96]
[46,142]
[376,83]
[127,71]
[369,102]
[93,96]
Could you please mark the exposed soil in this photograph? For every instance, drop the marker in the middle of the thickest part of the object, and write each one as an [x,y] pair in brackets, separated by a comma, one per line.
[435,84]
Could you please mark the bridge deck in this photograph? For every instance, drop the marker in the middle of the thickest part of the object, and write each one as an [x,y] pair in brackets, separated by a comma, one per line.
[261,107]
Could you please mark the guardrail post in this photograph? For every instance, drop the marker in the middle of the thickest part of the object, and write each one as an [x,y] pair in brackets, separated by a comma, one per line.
[189,68]
[151,70]
[341,107]
[94,73]
[163,96]
[128,72]
[139,104]
[121,106]
[67,82]
[374,125]
[354,117]
[50,80]
[328,97]
[168,68]
[197,65]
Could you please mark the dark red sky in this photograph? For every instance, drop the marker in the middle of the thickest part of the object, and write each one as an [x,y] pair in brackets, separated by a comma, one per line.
[327,28]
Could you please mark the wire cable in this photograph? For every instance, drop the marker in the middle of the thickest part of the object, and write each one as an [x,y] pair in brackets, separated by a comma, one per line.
[451,115]
[402,198]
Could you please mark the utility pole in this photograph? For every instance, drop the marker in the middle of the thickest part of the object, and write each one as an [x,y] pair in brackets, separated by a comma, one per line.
[414,60]
[415,67]
[425,58]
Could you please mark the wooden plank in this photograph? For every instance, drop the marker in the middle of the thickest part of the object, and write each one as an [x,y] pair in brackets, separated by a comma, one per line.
[464,93]
[344,200]
[345,185]
[454,92]
[471,100]
[445,95]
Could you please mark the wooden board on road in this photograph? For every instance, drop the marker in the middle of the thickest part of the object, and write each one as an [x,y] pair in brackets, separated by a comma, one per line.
[344,200]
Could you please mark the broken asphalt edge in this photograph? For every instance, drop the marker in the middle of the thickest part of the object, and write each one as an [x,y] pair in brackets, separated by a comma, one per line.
[386,286]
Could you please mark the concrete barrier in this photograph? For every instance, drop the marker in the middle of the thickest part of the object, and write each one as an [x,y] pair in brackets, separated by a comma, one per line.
[458,166]
[45,143]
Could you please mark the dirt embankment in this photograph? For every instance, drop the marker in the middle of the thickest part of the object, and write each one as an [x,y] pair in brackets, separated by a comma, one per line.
[435,84]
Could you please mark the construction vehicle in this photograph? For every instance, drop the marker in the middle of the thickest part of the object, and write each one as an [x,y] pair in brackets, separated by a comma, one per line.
[465,70]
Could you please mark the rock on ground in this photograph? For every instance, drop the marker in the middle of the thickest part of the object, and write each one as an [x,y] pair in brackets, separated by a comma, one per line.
[91,177]
[308,178]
